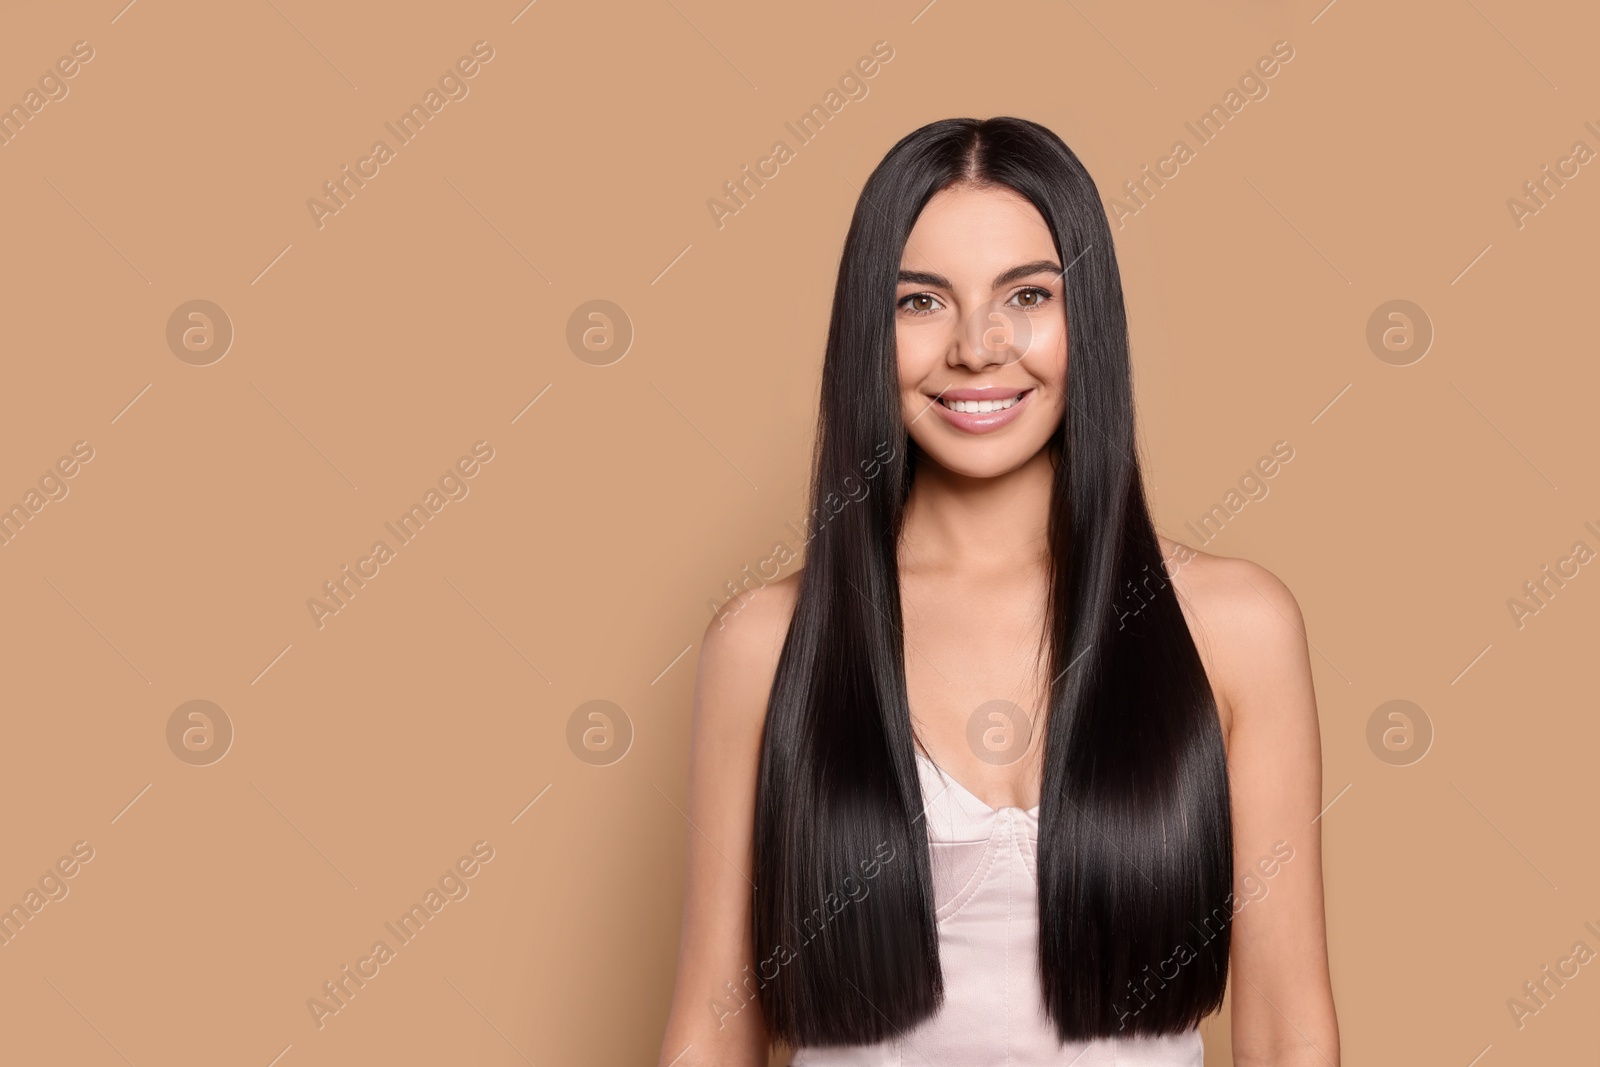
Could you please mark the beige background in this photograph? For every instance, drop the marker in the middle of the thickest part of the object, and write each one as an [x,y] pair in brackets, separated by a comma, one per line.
[427,314]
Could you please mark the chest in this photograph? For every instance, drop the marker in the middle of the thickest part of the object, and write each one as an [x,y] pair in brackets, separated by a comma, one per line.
[977,680]
[977,685]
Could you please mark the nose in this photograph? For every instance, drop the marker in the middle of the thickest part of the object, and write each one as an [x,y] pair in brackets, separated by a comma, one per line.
[991,335]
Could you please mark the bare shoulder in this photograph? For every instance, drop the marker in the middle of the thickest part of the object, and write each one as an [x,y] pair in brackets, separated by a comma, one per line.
[747,633]
[739,653]
[1247,625]
[1239,596]
[738,658]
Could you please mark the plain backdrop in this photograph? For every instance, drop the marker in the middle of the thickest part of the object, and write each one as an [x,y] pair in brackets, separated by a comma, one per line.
[348,759]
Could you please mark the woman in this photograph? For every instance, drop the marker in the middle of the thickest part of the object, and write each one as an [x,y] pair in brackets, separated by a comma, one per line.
[1001,776]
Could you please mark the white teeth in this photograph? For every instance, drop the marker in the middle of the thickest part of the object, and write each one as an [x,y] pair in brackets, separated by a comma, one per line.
[980,407]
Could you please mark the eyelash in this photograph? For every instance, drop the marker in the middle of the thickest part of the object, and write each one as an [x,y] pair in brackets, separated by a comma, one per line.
[1045,296]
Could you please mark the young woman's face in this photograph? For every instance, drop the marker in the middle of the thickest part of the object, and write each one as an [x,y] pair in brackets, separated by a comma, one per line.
[981,331]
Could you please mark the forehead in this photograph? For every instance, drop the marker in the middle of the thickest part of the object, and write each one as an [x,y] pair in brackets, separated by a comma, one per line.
[970,234]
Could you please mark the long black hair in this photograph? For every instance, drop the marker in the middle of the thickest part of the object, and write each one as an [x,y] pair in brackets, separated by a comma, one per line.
[1135,854]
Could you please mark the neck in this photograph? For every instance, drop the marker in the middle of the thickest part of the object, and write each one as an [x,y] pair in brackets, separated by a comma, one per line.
[958,522]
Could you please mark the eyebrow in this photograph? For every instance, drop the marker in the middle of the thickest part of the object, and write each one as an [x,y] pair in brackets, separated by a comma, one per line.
[1026,270]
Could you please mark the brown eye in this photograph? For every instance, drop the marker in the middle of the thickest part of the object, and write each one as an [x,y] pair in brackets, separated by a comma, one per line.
[1032,297]
[919,303]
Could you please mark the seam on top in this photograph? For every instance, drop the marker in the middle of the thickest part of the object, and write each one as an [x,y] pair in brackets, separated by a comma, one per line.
[980,874]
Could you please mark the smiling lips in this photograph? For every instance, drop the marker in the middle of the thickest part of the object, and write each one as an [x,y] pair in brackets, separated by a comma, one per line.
[981,410]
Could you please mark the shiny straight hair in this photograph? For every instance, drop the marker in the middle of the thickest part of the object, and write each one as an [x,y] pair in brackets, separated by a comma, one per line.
[1135,853]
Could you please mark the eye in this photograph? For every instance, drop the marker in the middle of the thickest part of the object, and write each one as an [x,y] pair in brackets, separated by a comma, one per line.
[1032,296]
[919,304]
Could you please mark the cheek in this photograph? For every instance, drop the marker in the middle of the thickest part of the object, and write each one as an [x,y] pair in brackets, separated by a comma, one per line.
[1047,358]
[905,359]
[916,355]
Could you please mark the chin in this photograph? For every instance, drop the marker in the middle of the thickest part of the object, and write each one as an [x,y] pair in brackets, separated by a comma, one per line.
[979,460]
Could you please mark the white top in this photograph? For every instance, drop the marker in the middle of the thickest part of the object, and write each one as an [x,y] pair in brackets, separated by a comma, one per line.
[986,900]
